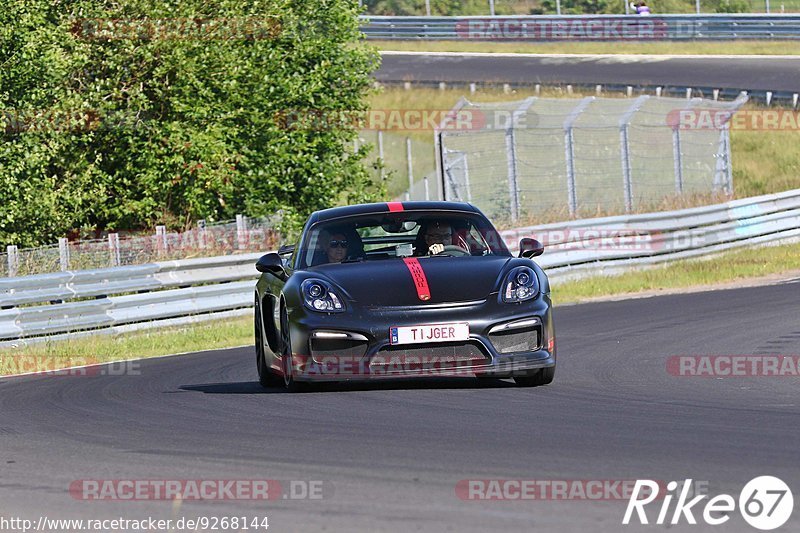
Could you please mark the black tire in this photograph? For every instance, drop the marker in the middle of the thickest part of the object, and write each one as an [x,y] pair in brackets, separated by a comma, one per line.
[542,377]
[286,356]
[265,376]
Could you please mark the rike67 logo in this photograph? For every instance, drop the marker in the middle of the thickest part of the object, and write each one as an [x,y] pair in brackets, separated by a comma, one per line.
[765,502]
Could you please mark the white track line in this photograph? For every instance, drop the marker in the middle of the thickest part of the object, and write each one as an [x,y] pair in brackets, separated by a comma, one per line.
[627,57]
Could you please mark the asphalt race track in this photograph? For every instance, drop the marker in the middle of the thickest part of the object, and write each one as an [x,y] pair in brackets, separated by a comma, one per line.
[756,73]
[390,455]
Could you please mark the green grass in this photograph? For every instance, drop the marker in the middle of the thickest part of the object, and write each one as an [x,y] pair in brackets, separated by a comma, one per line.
[669,48]
[724,268]
[104,348]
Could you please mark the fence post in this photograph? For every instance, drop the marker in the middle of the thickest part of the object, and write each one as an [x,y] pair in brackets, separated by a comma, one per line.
[723,179]
[624,141]
[410,167]
[113,249]
[63,253]
[380,151]
[427,190]
[13,260]
[677,148]
[511,157]
[161,239]
[241,231]
[723,173]
[511,169]
[201,233]
[466,179]
[728,164]
[569,152]
[677,158]
[439,148]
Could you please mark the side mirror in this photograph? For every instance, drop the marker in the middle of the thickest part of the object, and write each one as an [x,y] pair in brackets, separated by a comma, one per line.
[286,249]
[530,248]
[271,264]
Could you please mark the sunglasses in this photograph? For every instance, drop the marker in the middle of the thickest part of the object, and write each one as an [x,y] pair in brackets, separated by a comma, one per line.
[337,244]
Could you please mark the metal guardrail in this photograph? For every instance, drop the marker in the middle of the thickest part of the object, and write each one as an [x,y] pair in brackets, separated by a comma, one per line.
[548,28]
[113,297]
[177,292]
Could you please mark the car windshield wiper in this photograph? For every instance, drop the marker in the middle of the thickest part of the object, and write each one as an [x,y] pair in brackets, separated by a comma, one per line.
[356,259]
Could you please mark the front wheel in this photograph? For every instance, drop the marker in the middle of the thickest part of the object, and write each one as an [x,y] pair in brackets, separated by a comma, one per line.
[542,377]
[286,356]
[265,376]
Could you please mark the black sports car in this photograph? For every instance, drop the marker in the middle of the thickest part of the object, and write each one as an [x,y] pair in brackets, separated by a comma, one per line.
[402,289]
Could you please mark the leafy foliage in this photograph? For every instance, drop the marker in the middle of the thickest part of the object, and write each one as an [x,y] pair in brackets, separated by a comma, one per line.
[121,115]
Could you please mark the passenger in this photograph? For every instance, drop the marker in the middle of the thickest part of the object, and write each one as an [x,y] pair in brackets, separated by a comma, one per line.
[335,246]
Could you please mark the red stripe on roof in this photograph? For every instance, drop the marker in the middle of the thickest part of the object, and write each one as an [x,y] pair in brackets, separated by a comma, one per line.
[395,206]
[418,276]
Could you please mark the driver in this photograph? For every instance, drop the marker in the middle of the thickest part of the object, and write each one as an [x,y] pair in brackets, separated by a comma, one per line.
[436,235]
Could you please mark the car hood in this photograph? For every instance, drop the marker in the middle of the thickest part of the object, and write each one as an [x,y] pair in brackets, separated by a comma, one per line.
[388,283]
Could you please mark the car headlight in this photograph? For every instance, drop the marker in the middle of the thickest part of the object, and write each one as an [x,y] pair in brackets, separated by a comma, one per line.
[318,296]
[520,284]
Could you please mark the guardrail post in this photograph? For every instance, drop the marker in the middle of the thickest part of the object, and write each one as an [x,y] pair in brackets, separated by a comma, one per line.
[624,124]
[161,239]
[113,249]
[569,152]
[63,253]
[241,231]
[13,260]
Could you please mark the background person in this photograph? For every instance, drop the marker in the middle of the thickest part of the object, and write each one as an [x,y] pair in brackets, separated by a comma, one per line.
[641,8]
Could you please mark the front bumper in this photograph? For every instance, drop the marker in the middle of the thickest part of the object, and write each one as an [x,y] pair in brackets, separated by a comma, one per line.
[375,358]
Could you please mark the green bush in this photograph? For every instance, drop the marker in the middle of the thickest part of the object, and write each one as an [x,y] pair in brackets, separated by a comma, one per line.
[117,116]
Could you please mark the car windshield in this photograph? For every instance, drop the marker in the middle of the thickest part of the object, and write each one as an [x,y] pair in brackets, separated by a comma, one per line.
[396,235]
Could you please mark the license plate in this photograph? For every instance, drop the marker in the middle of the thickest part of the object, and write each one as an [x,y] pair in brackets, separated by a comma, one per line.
[425,333]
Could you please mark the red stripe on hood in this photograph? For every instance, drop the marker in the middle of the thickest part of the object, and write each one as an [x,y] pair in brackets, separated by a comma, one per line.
[395,206]
[418,276]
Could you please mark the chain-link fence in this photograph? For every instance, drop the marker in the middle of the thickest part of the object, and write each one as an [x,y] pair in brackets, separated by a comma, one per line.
[115,249]
[552,158]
